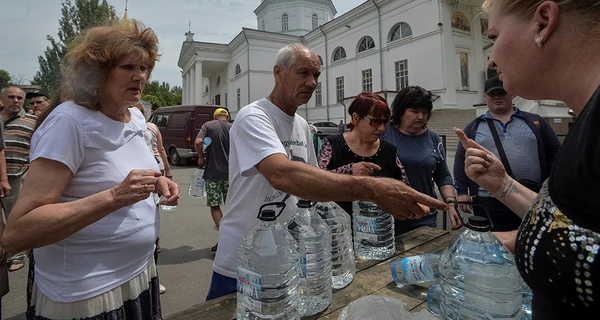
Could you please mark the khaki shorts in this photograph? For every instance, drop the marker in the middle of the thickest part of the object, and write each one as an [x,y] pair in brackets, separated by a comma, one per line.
[216,192]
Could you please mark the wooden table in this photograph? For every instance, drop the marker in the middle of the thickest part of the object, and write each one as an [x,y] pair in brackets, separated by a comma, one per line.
[371,278]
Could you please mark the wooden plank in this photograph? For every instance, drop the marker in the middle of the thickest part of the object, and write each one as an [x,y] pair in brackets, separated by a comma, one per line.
[378,280]
[223,308]
[377,276]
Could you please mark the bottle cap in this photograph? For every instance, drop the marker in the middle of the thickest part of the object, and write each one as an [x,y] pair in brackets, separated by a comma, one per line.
[479,223]
[303,203]
[267,215]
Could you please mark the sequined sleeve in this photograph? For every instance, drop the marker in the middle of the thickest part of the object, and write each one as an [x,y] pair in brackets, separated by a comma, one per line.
[402,171]
[325,157]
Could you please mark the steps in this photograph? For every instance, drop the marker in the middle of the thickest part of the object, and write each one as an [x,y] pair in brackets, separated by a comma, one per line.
[443,121]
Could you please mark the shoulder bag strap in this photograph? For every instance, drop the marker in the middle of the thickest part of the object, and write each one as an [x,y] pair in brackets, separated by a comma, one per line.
[498,143]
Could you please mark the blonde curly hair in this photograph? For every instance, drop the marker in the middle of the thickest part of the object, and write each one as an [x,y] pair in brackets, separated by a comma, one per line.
[99,49]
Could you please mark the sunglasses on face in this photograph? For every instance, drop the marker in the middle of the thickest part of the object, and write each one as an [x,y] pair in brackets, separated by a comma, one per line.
[417,93]
[375,123]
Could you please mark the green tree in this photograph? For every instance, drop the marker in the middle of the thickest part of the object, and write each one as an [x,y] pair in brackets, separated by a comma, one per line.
[161,94]
[4,79]
[76,18]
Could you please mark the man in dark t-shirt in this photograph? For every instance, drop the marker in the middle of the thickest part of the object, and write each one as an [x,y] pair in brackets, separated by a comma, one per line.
[216,167]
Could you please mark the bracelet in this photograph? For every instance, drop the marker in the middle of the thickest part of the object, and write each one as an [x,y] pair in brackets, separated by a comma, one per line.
[453,199]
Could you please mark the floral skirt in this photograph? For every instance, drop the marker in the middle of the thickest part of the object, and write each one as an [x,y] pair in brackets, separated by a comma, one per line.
[137,299]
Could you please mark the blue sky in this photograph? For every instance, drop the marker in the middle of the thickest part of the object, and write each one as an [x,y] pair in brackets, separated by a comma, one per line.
[26,23]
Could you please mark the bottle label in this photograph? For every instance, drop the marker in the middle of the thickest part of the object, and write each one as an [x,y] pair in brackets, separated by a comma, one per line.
[366,224]
[249,284]
[303,267]
[417,270]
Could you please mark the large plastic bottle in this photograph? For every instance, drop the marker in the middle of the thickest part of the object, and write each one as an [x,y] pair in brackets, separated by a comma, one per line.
[373,231]
[343,264]
[416,269]
[268,270]
[479,278]
[197,187]
[314,251]
[433,299]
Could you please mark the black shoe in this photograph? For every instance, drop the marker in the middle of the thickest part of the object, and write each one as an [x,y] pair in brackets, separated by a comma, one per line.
[214,249]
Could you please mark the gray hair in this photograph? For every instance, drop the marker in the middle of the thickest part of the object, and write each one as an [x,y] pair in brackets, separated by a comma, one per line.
[286,57]
[3,91]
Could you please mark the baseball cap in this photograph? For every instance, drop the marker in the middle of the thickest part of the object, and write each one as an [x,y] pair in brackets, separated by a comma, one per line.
[221,111]
[30,95]
[492,84]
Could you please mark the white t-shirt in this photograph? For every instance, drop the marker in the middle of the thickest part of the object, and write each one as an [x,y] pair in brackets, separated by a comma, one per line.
[100,152]
[260,129]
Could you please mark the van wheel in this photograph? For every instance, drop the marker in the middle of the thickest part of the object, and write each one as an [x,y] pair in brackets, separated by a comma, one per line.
[174,157]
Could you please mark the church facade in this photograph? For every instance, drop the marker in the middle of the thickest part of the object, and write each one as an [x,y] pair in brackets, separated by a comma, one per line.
[380,46]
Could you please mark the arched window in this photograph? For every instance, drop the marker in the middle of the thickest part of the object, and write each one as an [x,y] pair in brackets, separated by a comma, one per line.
[400,31]
[284,22]
[320,60]
[339,53]
[218,81]
[366,43]
[238,69]
[315,21]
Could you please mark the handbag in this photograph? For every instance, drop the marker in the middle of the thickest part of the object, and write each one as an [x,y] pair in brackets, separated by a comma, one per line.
[529,184]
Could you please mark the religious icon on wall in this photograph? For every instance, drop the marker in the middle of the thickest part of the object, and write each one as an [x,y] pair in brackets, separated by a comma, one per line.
[464,70]
[460,21]
[484,27]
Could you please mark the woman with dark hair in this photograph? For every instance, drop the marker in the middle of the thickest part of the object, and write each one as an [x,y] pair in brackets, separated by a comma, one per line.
[360,151]
[421,151]
[88,207]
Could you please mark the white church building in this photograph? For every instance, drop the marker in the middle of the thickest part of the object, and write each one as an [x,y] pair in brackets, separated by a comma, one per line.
[380,46]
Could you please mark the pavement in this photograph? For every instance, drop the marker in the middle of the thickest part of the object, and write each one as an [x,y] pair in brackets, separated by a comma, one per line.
[184,264]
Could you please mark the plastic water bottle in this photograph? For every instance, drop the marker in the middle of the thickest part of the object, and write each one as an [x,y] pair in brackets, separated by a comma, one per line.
[197,187]
[416,269]
[343,264]
[268,270]
[373,231]
[479,278]
[527,299]
[205,143]
[314,251]
[433,299]
[165,207]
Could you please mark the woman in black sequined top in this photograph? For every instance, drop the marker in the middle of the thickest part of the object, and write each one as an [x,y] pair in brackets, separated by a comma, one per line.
[549,50]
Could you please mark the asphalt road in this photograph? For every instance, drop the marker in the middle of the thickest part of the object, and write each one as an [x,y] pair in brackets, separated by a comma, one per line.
[184,264]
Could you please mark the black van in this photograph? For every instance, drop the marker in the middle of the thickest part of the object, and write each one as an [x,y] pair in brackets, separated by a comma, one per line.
[179,126]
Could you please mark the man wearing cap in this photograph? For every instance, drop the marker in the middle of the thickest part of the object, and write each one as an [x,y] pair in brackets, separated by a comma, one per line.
[18,129]
[38,102]
[216,167]
[528,141]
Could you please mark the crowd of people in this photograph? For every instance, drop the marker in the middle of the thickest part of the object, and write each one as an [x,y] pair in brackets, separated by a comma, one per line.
[81,176]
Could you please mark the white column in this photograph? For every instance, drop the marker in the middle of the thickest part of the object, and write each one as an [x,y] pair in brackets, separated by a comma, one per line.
[199,87]
[184,88]
[193,85]
[187,87]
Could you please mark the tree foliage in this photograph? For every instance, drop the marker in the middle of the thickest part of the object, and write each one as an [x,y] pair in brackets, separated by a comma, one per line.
[161,94]
[4,79]
[76,18]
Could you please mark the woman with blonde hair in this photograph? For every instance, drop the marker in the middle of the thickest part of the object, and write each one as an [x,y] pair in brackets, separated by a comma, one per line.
[549,50]
[88,208]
